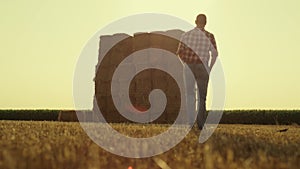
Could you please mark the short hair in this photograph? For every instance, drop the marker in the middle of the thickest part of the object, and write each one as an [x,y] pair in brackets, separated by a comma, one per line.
[201,19]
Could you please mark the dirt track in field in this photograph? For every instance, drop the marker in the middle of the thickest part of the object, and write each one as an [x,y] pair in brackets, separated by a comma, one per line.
[65,145]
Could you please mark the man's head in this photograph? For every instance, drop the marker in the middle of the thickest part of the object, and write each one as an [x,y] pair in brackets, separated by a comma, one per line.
[201,21]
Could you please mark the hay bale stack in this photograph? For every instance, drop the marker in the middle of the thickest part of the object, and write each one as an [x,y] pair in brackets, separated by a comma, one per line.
[113,50]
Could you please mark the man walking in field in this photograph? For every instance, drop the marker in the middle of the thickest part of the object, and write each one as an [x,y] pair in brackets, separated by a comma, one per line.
[198,50]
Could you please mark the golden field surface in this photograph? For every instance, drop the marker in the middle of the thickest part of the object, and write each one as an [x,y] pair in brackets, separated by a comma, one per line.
[41,144]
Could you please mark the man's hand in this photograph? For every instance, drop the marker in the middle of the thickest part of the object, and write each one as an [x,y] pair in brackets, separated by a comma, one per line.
[212,63]
[209,69]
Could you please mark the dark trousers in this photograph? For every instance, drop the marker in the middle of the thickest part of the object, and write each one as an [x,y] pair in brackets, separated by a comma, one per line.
[202,77]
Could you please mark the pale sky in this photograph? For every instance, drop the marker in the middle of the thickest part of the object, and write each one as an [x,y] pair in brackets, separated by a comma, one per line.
[258,45]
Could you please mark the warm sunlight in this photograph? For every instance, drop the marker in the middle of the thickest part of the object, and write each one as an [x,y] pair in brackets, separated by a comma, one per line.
[41,41]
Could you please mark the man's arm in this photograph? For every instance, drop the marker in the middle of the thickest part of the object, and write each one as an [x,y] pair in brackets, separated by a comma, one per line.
[212,62]
[181,49]
[214,52]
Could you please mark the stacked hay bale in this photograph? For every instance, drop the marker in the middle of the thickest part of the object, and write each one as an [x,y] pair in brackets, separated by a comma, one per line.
[113,50]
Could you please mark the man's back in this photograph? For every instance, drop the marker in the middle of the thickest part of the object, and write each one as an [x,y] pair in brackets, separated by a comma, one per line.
[196,46]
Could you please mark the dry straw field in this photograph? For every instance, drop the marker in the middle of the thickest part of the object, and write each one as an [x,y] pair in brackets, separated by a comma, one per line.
[28,144]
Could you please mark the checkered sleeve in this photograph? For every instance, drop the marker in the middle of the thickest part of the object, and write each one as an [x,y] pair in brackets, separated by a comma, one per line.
[213,46]
[180,49]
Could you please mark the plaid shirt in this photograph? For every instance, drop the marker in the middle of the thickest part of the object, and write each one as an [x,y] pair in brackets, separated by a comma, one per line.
[196,46]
